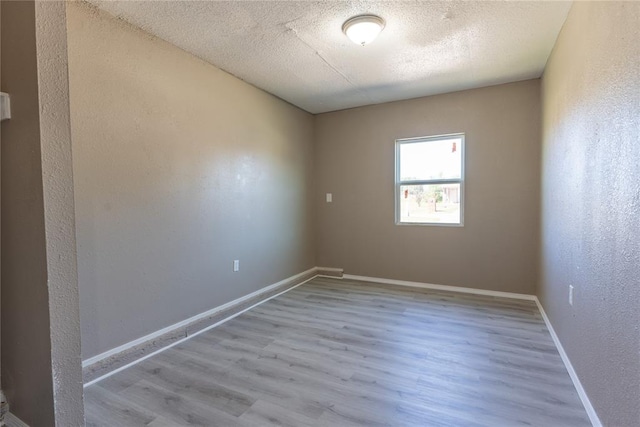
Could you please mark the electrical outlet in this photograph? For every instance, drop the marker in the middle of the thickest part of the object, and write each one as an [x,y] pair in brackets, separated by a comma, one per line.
[570,295]
[329,197]
[236,265]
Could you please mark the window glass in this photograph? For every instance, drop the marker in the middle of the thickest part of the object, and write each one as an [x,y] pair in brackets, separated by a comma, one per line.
[430,160]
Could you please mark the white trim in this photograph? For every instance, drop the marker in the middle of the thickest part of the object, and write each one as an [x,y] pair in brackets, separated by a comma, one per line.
[399,182]
[90,361]
[442,287]
[591,412]
[197,317]
[11,420]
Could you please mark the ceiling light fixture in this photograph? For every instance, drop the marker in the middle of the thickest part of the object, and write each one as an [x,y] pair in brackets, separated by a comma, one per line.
[363,29]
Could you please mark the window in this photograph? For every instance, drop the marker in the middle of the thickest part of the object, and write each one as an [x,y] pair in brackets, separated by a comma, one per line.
[430,180]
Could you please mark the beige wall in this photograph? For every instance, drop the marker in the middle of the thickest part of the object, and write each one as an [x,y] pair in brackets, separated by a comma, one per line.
[497,247]
[179,169]
[591,202]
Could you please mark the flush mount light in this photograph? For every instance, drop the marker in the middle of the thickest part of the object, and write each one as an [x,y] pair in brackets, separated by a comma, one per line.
[363,29]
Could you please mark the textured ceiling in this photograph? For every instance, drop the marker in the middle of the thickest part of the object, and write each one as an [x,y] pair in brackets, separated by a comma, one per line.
[297,51]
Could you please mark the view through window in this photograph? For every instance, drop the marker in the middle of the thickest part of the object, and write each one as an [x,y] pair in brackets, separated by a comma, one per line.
[429,180]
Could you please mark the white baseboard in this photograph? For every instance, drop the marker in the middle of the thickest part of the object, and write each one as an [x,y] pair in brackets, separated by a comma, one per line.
[593,417]
[193,319]
[591,412]
[11,420]
[95,359]
[442,287]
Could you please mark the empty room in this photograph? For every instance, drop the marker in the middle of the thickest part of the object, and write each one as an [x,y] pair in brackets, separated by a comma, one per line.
[320,213]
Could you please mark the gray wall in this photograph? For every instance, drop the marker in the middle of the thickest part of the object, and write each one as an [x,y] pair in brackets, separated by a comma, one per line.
[41,366]
[591,202]
[179,169]
[26,348]
[497,247]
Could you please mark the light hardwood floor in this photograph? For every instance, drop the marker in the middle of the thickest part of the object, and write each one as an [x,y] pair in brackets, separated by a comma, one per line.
[343,353]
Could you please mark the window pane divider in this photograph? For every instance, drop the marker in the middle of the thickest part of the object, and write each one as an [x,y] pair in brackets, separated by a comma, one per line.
[431,182]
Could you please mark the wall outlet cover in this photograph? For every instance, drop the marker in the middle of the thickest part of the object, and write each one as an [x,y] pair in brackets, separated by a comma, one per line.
[570,295]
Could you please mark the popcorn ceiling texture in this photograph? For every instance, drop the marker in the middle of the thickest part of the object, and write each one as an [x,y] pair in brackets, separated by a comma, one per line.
[297,51]
[590,219]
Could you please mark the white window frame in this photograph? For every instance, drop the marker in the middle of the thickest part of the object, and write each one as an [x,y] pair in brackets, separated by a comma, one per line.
[399,183]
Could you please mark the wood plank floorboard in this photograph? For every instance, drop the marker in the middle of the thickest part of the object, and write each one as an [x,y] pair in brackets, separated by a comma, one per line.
[345,353]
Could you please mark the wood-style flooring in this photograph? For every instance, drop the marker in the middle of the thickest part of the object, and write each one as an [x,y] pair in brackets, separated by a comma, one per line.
[343,353]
